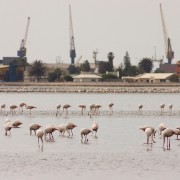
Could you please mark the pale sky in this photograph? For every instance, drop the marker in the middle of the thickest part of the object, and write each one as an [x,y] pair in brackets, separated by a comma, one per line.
[107,25]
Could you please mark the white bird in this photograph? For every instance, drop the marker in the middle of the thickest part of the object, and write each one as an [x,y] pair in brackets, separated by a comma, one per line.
[83,108]
[34,127]
[69,127]
[21,105]
[167,133]
[177,132]
[40,134]
[7,127]
[49,130]
[84,132]
[61,128]
[66,107]
[170,107]
[58,107]
[3,106]
[13,109]
[111,107]
[16,123]
[97,107]
[161,128]
[30,107]
[162,108]
[150,132]
[95,128]
[140,106]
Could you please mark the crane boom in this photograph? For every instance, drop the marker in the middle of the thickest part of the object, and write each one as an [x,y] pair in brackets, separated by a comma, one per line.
[22,51]
[71,34]
[167,42]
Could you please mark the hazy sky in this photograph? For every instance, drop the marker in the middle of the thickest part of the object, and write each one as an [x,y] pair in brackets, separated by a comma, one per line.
[107,25]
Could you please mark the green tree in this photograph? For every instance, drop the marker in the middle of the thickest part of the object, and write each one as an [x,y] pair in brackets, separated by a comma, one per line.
[55,75]
[110,58]
[73,69]
[174,78]
[104,66]
[85,66]
[133,71]
[37,69]
[127,65]
[146,65]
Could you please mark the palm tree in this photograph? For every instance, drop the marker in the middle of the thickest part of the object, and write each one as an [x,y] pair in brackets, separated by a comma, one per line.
[37,69]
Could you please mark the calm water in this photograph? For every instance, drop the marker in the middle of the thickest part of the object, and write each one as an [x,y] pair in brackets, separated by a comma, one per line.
[120,144]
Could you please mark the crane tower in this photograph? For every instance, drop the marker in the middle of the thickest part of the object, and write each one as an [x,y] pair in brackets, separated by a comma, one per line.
[72,45]
[22,50]
[167,41]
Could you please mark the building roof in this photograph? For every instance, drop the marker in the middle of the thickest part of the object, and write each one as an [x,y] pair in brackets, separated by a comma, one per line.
[87,76]
[4,66]
[154,76]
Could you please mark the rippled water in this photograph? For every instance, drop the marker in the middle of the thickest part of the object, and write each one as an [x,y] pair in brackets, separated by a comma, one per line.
[119,149]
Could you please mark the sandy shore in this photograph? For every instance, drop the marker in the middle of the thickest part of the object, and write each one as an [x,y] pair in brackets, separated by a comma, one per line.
[112,87]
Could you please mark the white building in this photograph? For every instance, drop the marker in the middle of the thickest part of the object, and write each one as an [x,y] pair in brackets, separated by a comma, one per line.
[87,77]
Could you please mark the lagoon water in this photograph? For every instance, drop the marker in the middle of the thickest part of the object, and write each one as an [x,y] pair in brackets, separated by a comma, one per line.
[119,151]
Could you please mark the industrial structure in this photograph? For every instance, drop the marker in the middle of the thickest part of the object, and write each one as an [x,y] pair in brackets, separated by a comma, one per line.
[22,50]
[71,35]
[167,41]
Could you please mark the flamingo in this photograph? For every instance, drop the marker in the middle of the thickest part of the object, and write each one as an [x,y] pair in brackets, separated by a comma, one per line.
[177,132]
[92,110]
[34,127]
[49,130]
[16,123]
[84,132]
[12,109]
[161,128]
[111,106]
[162,108]
[95,128]
[83,107]
[97,107]
[150,132]
[61,128]
[167,133]
[3,106]
[69,127]
[66,107]
[21,105]
[7,126]
[30,107]
[58,109]
[170,107]
[40,134]
[140,106]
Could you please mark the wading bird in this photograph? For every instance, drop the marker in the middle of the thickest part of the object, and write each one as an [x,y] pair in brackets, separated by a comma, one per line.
[7,127]
[177,132]
[140,106]
[66,107]
[69,127]
[166,134]
[150,133]
[34,127]
[13,109]
[3,106]
[162,108]
[84,132]
[95,128]
[16,123]
[58,107]
[83,108]
[40,134]
[30,107]
[49,130]
[21,106]
[161,128]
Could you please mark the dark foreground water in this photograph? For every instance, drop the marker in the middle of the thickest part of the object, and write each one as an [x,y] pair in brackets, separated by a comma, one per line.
[119,151]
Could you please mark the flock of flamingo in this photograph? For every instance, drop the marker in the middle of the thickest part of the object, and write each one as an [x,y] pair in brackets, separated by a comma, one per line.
[164,132]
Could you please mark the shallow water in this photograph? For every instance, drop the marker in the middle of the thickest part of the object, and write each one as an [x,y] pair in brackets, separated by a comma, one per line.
[119,150]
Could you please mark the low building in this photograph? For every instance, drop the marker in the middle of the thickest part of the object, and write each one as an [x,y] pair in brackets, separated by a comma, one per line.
[87,77]
[150,78]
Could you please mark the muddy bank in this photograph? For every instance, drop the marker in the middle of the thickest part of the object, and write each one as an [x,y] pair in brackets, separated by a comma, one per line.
[92,87]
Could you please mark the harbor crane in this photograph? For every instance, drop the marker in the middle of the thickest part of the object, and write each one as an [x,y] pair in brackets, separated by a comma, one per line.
[167,41]
[71,34]
[22,50]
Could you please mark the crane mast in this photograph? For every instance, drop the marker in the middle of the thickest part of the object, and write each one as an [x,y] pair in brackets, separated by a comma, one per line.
[167,41]
[22,50]
[72,44]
